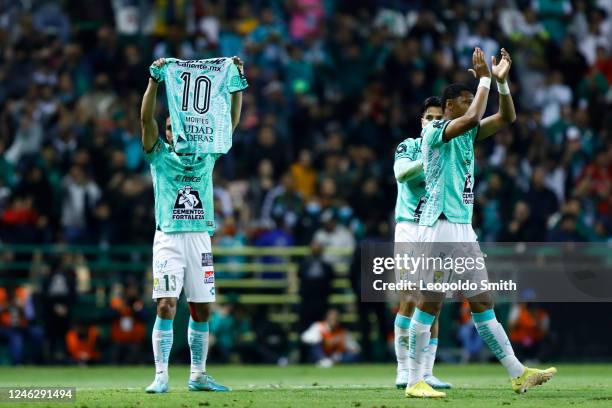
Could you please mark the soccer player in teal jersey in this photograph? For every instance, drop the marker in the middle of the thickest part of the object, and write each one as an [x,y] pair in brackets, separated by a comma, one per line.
[448,163]
[408,169]
[182,256]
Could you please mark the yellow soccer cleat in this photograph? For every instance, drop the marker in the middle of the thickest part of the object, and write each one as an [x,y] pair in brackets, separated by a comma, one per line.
[423,390]
[532,377]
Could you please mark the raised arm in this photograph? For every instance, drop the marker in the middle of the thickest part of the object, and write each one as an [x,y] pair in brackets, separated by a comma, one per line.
[237,97]
[147,111]
[506,114]
[474,114]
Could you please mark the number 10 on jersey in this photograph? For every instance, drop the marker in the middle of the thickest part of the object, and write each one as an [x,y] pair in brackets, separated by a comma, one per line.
[201,93]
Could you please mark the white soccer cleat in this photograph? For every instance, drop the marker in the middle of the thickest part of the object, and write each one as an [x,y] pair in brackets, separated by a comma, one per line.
[158,386]
[437,383]
[401,380]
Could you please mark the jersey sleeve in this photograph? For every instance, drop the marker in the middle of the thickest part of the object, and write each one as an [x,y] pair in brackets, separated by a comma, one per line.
[406,150]
[235,81]
[433,134]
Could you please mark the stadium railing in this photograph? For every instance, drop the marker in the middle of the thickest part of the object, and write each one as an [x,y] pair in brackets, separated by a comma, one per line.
[246,275]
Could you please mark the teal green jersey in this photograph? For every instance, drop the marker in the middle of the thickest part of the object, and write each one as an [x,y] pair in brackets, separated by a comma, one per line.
[183,191]
[449,174]
[199,101]
[410,195]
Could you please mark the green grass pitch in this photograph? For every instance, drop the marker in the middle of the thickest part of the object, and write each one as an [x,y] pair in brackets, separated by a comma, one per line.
[308,386]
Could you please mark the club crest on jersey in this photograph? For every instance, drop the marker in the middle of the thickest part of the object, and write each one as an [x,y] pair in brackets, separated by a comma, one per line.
[438,276]
[188,205]
[209,276]
[468,189]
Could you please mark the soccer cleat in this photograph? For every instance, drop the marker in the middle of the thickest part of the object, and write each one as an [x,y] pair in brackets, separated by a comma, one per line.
[206,383]
[158,386]
[423,390]
[401,381]
[437,383]
[532,377]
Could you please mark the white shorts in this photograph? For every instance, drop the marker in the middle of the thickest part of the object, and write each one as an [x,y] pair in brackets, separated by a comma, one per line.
[446,231]
[458,242]
[406,235]
[406,231]
[183,260]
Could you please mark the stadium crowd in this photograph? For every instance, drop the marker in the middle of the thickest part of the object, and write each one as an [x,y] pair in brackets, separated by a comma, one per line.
[334,87]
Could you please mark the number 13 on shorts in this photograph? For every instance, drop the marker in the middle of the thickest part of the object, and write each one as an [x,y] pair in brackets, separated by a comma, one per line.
[165,283]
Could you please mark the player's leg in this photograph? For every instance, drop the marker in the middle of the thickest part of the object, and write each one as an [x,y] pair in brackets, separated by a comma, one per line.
[200,292]
[427,309]
[406,234]
[494,335]
[400,334]
[197,335]
[162,338]
[489,329]
[168,270]
[430,358]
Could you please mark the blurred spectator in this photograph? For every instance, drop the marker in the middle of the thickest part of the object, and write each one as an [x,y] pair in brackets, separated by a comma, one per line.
[566,230]
[521,227]
[552,97]
[334,235]
[128,328]
[28,138]
[80,196]
[82,344]
[259,186]
[224,333]
[542,201]
[58,293]
[274,234]
[18,328]
[316,277]
[305,18]
[21,222]
[230,237]
[283,201]
[329,342]
[529,325]
[7,169]
[304,175]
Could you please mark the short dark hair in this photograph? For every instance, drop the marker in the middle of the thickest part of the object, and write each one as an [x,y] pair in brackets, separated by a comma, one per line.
[429,102]
[453,91]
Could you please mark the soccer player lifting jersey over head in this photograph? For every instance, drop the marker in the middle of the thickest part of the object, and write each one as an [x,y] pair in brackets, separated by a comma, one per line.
[182,256]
